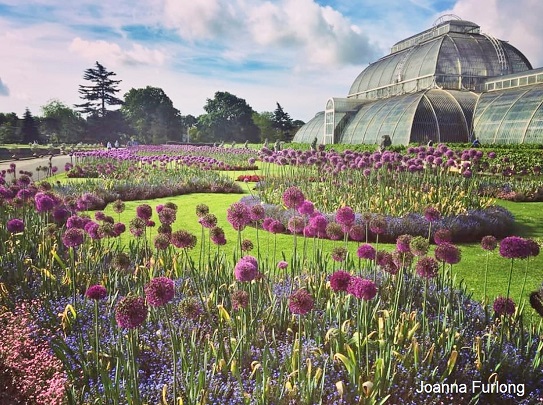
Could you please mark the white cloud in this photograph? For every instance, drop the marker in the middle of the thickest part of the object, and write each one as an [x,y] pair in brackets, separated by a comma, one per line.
[4,89]
[111,52]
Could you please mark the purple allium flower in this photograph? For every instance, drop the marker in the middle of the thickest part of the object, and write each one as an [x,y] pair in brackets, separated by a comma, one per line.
[44,202]
[296,224]
[306,208]
[266,223]
[183,239]
[240,299]
[345,216]
[15,225]
[403,243]
[419,246]
[504,306]
[137,227]
[334,231]
[96,292]
[357,233]
[489,242]
[167,216]
[121,262]
[293,197]
[208,221]
[159,208]
[239,216]
[118,206]
[190,308]
[442,236]
[300,302]
[282,265]
[216,235]
[448,253]
[257,212]
[159,291]
[378,225]
[276,227]
[362,288]
[99,215]
[130,312]
[246,245]
[119,228]
[431,214]
[144,211]
[73,237]
[201,210]
[427,267]
[339,280]
[162,241]
[515,247]
[366,251]
[60,214]
[339,253]
[92,229]
[246,269]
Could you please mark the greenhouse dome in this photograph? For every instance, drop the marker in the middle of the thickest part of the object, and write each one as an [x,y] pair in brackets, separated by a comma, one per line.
[431,86]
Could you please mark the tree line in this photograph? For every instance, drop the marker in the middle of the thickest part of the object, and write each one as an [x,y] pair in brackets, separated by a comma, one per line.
[144,115]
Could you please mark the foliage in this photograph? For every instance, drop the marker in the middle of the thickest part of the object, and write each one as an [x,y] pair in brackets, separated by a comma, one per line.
[228,118]
[9,124]
[60,123]
[152,116]
[283,123]
[29,128]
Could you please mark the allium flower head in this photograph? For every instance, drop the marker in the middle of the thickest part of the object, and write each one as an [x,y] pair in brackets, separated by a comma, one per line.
[361,288]
[162,241]
[402,259]
[345,216]
[121,262]
[216,235]
[201,210]
[515,247]
[504,306]
[366,251]
[246,245]
[427,267]
[448,253]
[432,214]
[118,206]
[276,227]
[293,197]
[159,291]
[73,237]
[257,212]
[339,280]
[334,231]
[183,239]
[282,265]
[296,224]
[137,227]
[15,225]
[208,221]
[240,299]
[44,202]
[167,216]
[239,216]
[300,302]
[96,292]
[403,243]
[419,246]
[130,312]
[246,269]
[144,211]
[378,225]
[190,308]
[534,247]
[489,243]
[339,253]
[306,208]
[442,235]
[357,233]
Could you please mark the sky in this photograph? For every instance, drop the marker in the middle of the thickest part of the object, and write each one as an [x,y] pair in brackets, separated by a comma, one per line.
[294,52]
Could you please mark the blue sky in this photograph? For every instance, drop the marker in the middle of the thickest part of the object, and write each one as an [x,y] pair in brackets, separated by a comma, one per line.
[295,52]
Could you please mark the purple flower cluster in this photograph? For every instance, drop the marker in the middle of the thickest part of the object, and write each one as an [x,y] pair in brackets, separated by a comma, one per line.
[96,292]
[301,302]
[15,225]
[130,312]
[246,269]
[504,306]
[159,291]
[239,216]
[515,247]
[366,251]
[293,197]
[427,267]
[448,253]
[361,288]
[339,280]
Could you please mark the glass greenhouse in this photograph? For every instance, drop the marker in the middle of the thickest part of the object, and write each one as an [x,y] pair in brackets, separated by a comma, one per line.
[450,83]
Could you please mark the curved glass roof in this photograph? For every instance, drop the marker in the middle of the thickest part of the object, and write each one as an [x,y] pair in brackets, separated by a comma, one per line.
[311,129]
[510,116]
[454,60]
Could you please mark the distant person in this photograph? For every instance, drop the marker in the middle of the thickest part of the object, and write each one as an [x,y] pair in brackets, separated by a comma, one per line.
[476,143]
[430,143]
[108,146]
[314,144]
[116,144]
[385,142]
